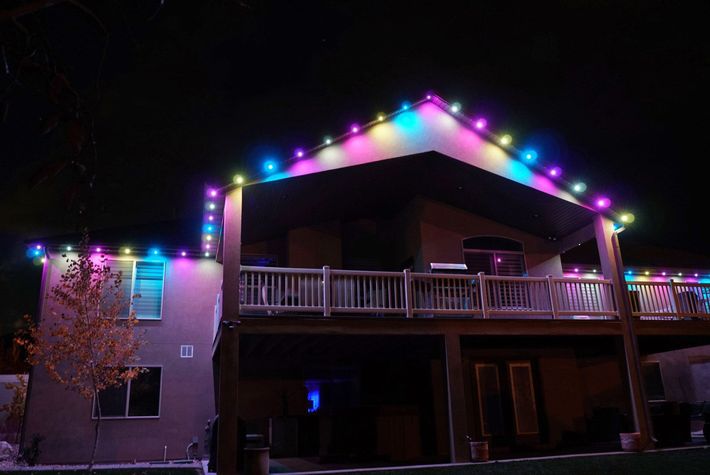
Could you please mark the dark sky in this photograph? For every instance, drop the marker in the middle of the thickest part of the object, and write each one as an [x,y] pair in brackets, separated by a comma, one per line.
[195,91]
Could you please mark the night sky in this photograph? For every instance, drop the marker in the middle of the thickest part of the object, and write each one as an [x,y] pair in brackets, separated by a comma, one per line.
[193,92]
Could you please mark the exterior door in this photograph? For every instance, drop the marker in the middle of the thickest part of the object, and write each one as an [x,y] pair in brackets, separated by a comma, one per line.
[507,402]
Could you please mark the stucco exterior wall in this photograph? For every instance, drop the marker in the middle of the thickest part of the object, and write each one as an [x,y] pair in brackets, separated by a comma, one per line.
[685,373]
[186,401]
[569,387]
[422,232]
[328,249]
[443,228]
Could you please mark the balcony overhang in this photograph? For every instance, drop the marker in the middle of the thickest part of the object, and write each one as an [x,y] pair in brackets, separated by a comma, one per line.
[380,189]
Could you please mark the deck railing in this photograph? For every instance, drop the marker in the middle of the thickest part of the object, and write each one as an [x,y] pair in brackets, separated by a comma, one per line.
[669,300]
[277,290]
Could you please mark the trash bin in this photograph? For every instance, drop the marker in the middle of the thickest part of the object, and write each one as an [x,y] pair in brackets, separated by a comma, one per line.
[256,460]
[630,441]
[479,451]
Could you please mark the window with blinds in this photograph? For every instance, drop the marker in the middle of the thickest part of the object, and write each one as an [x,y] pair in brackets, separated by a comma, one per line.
[510,264]
[494,255]
[144,280]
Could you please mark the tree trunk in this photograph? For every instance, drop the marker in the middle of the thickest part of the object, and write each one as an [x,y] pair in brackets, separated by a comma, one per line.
[96,431]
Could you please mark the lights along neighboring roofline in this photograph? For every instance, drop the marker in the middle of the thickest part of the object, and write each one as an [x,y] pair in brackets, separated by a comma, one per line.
[641,272]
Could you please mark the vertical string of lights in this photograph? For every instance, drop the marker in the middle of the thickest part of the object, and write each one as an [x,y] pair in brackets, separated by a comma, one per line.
[211,220]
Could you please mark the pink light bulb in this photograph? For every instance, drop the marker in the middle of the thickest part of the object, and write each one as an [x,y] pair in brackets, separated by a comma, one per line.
[481,123]
[603,202]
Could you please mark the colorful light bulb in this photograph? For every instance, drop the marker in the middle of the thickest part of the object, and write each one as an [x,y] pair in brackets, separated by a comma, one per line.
[299,153]
[211,205]
[555,172]
[183,253]
[98,249]
[207,254]
[506,140]
[213,193]
[210,217]
[579,187]
[238,179]
[69,248]
[381,117]
[354,128]
[269,166]
[406,105]
[327,140]
[127,250]
[455,107]
[530,155]
[481,123]
[602,202]
[627,218]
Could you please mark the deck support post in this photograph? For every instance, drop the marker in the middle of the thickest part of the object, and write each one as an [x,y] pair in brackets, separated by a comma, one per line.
[227,439]
[458,427]
[228,377]
[613,268]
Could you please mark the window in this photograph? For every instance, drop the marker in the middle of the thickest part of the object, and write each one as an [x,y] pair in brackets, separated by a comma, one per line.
[494,256]
[523,398]
[144,278]
[653,381]
[490,399]
[186,351]
[139,397]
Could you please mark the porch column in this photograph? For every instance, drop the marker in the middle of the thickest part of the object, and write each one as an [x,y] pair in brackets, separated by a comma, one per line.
[231,253]
[227,440]
[613,268]
[458,427]
[229,336]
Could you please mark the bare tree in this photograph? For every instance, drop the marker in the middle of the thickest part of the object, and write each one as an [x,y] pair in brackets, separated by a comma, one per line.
[86,345]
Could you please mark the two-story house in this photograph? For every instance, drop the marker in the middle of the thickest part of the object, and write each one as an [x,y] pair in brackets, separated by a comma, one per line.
[383,297]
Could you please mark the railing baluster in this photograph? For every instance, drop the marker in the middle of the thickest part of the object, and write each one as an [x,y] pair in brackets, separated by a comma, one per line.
[326,291]
[484,294]
[553,296]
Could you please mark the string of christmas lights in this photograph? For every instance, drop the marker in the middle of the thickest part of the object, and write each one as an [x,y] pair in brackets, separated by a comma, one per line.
[213,204]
